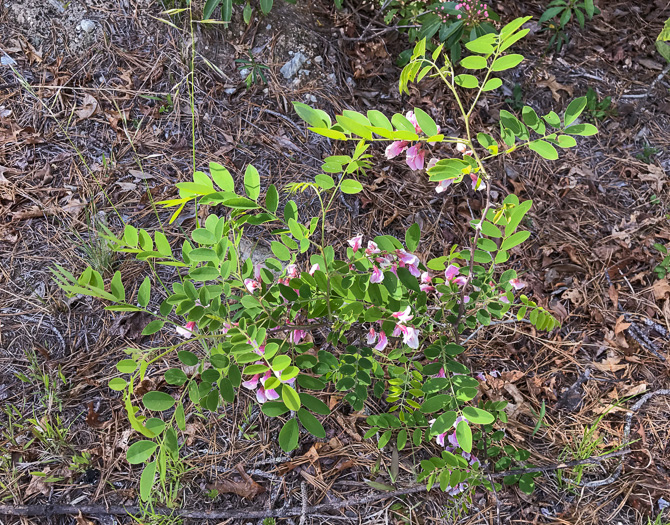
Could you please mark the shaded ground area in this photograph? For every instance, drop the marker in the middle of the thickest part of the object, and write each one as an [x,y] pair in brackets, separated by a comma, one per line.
[97,118]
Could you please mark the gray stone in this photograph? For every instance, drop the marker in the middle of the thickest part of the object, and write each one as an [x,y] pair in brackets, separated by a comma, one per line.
[87,25]
[291,67]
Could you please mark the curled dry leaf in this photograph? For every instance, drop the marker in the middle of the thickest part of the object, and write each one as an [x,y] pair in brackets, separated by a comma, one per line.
[555,87]
[656,177]
[610,363]
[88,107]
[661,288]
[247,488]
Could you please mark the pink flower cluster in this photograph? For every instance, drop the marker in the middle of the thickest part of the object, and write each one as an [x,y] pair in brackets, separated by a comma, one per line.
[477,183]
[415,155]
[474,11]
[257,382]
[410,335]
[383,260]
[449,441]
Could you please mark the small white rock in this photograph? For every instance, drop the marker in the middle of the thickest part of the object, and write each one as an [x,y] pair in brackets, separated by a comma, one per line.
[318,59]
[87,25]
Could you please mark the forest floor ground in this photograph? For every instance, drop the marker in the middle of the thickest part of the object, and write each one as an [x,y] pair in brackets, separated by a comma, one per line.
[96,124]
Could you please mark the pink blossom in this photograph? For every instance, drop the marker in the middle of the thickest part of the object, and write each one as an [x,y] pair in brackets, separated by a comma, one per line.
[517,284]
[426,278]
[187,330]
[252,285]
[432,163]
[461,280]
[292,271]
[410,335]
[443,185]
[451,272]
[377,275]
[407,258]
[426,288]
[356,242]
[415,157]
[263,394]
[372,248]
[412,118]
[503,299]
[477,183]
[414,270]
[383,341]
[314,268]
[441,373]
[404,316]
[372,336]
[396,148]
[296,336]
[252,383]
[463,149]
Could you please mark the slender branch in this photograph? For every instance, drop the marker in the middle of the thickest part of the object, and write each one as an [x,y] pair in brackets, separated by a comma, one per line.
[53,510]
[557,466]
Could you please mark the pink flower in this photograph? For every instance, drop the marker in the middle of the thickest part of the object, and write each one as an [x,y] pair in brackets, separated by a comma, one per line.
[443,185]
[426,277]
[410,335]
[426,288]
[372,336]
[396,148]
[407,258]
[296,336]
[451,272]
[432,163]
[412,118]
[372,248]
[314,268]
[404,316]
[263,394]
[252,383]
[377,275]
[187,330]
[414,270]
[503,298]
[517,284]
[415,157]
[441,373]
[292,271]
[383,341]
[356,242]
[463,149]
[477,183]
[252,285]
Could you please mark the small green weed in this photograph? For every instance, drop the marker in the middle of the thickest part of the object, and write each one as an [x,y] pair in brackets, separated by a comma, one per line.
[663,267]
[516,101]
[648,151]
[596,109]
[255,70]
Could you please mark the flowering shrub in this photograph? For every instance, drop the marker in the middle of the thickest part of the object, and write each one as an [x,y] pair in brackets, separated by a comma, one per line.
[369,318]
[452,23]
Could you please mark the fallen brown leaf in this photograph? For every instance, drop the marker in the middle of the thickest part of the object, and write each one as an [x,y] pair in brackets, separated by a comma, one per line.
[661,288]
[88,108]
[247,488]
[610,363]
[555,87]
